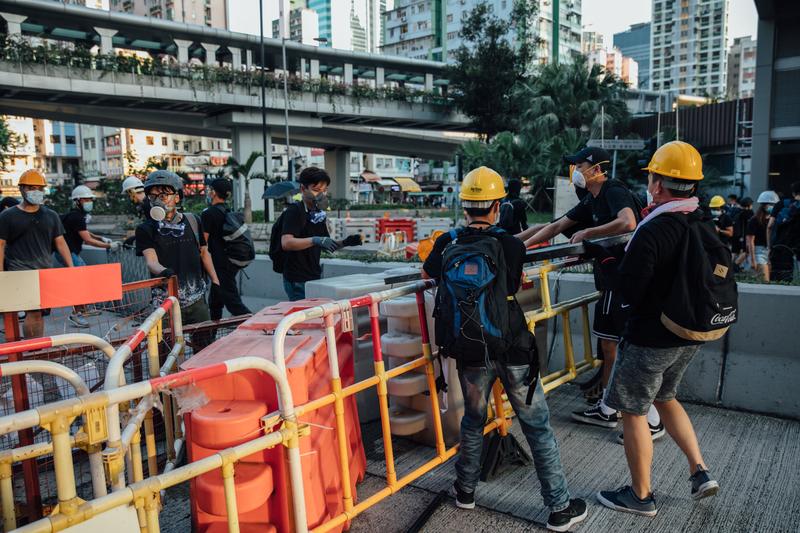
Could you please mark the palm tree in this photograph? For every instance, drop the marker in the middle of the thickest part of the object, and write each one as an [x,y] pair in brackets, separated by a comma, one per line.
[245,172]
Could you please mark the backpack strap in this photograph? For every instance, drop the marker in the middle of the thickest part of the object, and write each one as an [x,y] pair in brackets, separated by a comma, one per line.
[190,218]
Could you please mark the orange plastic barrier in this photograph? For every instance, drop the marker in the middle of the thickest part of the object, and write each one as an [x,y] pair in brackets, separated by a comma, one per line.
[233,416]
[390,225]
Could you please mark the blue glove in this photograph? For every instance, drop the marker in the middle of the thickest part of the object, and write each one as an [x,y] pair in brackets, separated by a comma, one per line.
[326,243]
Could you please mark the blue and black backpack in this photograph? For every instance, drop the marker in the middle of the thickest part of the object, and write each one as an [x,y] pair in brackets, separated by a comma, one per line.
[472,317]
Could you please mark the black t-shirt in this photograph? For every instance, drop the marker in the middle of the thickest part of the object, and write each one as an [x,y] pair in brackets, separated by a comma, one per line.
[759,230]
[513,249]
[519,218]
[304,265]
[648,272]
[74,222]
[29,237]
[213,219]
[724,221]
[177,248]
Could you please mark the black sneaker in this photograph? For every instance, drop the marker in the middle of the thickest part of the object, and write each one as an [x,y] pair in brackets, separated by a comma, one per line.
[625,500]
[656,432]
[702,484]
[464,499]
[566,518]
[594,415]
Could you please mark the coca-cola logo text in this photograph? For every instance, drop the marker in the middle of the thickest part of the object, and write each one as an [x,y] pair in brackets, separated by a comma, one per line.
[720,319]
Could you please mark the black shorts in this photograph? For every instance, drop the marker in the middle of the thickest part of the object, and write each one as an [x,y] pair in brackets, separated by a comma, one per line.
[610,314]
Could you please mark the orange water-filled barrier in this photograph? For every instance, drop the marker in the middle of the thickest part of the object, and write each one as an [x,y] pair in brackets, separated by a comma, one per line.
[233,415]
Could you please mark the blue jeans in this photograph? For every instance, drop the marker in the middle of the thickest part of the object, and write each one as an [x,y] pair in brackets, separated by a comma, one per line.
[76,260]
[476,385]
[295,290]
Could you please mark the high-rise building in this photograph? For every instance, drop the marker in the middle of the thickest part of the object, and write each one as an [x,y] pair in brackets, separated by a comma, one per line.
[430,30]
[591,41]
[689,46]
[635,43]
[614,62]
[303,26]
[350,24]
[205,13]
[96,4]
[742,68]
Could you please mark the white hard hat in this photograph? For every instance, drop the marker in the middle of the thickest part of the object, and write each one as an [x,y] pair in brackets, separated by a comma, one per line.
[81,191]
[768,197]
[132,182]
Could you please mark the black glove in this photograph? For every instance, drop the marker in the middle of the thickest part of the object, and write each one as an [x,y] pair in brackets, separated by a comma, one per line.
[592,250]
[166,273]
[326,243]
[352,240]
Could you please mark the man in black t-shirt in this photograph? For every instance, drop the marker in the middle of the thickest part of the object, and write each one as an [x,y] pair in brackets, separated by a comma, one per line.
[305,233]
[608,208]
[513,216]
[173,244]
[29,232]
[226,294]
[481,191]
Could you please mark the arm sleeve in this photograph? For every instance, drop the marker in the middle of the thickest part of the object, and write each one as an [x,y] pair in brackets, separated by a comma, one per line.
[433,264]
[752,227]
[725,221]
[638,266]
[201,238]
[293,223]
[619,198]
[58,227]
[144,239]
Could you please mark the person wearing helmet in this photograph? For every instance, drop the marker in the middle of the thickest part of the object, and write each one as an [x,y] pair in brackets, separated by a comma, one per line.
[606,207]
[652,358]
[479,362]
[172,244]
[134,188]
[76,234]
[722,221]
[783,235]
[757,234]
[29,233]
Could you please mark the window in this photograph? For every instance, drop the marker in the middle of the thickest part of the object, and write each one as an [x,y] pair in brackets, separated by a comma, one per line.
[186,146]
[176,146]
[70,139]
[86,144]
[149,140]
[92,142]
[55,139]
[163,141]
[450,17]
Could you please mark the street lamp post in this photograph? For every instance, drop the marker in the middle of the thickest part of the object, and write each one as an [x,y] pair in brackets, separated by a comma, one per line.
[289,164]
[263,88]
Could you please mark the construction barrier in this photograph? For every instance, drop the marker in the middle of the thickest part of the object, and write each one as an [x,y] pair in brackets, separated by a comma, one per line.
[387,226]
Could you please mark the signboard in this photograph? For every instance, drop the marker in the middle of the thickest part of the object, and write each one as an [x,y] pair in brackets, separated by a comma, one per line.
[617,144]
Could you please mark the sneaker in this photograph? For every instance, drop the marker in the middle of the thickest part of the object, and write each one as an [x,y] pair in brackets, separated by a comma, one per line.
[594,415]
[78,321]
[656,432]
[464,499]
[702,484]
[566,518]
[625,500]
[91,312]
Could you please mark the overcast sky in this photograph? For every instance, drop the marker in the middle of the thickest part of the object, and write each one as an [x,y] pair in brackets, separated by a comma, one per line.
[613,16]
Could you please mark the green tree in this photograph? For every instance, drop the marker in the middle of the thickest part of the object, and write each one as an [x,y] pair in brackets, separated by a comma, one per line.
[495,55]
[10,141]
[244,172]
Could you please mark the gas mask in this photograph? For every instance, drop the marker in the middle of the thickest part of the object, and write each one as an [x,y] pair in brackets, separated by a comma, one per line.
[159,210]
[34,197]
[319,200]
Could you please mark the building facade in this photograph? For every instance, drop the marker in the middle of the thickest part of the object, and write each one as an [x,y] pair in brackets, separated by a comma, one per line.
[591,41]
[211,13]
[688,46]
[635,43]
[614,62]
[350,24]
[303,26]
[430,29]
[742,68]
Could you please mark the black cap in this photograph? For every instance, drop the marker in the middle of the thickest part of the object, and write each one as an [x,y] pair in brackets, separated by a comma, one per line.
[590,154]
[222,186]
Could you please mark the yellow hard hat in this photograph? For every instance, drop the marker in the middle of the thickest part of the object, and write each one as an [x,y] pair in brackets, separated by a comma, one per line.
[32,177]
[482,185]
[677,159]
[717,201]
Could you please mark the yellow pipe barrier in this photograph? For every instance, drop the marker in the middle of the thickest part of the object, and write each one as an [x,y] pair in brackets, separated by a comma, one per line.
[230,497]
[137,472]
[7,497]
[386,430]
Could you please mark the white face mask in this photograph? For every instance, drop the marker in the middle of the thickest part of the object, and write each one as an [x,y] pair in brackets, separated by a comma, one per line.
[649,198]
[87,207]
[578,179]
[34,197]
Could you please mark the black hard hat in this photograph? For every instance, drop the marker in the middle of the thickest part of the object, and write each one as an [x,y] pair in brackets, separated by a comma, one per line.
[164,178]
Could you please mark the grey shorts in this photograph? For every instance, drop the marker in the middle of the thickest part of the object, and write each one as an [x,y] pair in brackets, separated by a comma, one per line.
[642,375]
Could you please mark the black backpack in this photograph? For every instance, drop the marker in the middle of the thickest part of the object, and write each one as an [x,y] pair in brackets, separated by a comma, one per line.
[702,303]
[471,312]
[276,253]
[238,244]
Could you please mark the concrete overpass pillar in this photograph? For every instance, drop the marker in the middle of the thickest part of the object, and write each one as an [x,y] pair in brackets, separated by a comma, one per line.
[379,77]
[106,43]
[14,23]
[211,53]
[183,50]
[245,141]
[337,164]
[314,69]
[429,82]
[348,74]
[236,57]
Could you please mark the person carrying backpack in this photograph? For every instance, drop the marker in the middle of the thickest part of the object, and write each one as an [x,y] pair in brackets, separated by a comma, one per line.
[479,323]
[678,278]
[231,250]
[606,208]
